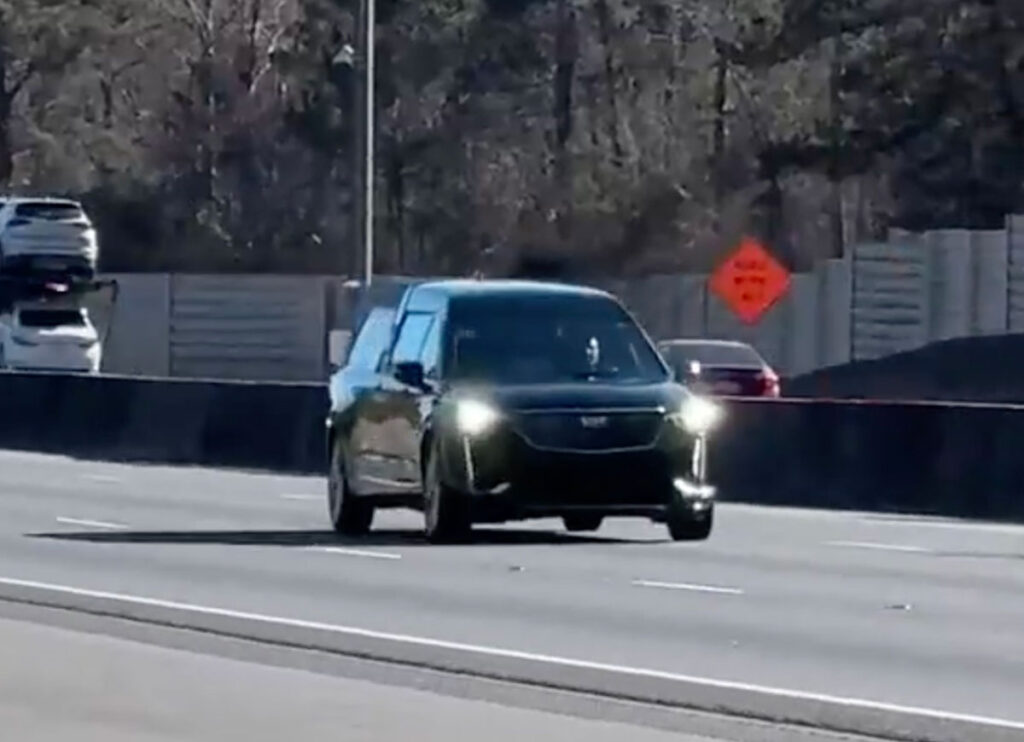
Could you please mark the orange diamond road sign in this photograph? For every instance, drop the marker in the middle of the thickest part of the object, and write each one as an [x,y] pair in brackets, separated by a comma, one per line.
[750,281]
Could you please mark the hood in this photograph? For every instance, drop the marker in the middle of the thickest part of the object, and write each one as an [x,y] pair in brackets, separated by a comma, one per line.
[580,395]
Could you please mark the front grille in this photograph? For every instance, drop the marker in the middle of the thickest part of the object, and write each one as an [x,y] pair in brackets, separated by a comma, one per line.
[639,477]
[590,431]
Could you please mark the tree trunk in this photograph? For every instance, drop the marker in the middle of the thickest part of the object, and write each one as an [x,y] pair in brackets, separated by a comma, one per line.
[835,174]
[396,201]
[718,134]
[6,104]
[565,73]
[611,78]
[6,146]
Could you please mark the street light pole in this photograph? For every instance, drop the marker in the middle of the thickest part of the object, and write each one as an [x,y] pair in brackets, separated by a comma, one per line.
[368,142]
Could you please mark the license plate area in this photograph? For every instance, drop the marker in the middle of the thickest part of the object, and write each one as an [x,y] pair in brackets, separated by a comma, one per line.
[50,264]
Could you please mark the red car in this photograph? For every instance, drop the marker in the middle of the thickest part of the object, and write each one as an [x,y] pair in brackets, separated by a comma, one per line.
[725,368]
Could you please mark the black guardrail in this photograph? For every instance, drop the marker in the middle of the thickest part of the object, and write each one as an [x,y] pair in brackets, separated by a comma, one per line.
[276,427]
[958,460]
[942,459]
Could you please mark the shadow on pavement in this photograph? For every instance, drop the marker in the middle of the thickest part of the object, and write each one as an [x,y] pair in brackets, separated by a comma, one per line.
[480,537]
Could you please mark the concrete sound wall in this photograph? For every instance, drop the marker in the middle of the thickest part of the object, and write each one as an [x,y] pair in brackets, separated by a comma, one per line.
[880,299]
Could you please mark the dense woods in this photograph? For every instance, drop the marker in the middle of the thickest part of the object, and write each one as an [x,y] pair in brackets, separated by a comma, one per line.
[623,136]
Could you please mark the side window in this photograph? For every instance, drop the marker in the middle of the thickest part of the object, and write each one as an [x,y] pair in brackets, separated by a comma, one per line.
[411,338]
[371,341]
[431,353]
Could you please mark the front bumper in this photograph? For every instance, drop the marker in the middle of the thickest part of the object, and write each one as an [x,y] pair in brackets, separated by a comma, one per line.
[69,359]
[509,478]
[55,265]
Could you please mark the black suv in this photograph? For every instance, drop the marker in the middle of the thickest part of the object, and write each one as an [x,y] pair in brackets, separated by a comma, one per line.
[490,401]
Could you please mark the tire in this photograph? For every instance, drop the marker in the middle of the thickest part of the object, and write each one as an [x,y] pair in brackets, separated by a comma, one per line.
[581,523]
[683,525]
[446,514]
[350,515]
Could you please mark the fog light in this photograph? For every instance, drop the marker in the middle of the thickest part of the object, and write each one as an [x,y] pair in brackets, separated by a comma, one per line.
[691,491]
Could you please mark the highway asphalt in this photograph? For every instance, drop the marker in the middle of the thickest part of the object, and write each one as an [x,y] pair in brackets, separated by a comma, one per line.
[125,691]
[885,612]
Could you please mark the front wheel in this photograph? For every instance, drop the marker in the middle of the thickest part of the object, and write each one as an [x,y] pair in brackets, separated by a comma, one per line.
[445,510]
[686,525]
[350,514]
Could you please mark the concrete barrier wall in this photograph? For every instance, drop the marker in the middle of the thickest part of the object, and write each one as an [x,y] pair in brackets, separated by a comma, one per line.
[952,460]
[275,327]
[880,299]
[1015,273]
[990,274]
[251,327]
[890,298]
[136,326]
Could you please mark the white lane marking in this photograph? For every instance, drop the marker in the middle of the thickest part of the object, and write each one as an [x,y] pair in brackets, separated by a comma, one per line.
[86,523]
[879,547]
[688,586]
[952,526]
[421,641]
[104,478]
[356,552]
[287,496]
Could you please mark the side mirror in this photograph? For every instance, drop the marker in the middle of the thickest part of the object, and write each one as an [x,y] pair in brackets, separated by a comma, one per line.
[411,374]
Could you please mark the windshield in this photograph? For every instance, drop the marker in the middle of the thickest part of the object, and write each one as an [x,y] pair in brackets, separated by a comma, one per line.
[49,210]
[51,318]
[545,340]
[737,355]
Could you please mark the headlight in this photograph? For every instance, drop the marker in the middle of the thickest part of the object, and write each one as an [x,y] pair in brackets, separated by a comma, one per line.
[699,415]
[474,417]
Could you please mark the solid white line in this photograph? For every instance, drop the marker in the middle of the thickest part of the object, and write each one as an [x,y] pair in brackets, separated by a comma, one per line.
[106,478]
[987,527]
[879,547]
[85,523]
[356,552]
[302,497]
[687,586]
[517,655]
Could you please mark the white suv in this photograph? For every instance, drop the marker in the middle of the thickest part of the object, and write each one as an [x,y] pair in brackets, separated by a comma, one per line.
[46,236]
[48,338]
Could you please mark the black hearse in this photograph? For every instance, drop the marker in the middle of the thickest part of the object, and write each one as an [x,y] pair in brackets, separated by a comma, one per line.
[491,401]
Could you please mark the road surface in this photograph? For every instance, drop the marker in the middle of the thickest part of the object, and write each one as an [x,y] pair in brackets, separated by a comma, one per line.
[865,609]
[123,691]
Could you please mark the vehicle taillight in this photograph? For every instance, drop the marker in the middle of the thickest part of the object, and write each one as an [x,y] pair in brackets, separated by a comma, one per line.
[771,383]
